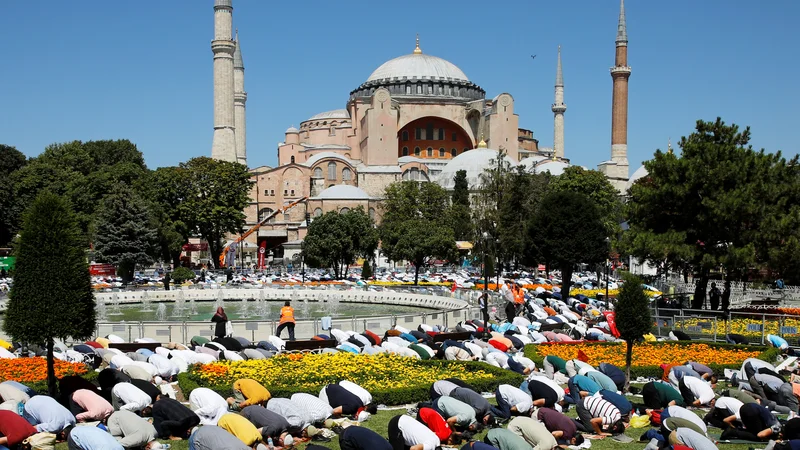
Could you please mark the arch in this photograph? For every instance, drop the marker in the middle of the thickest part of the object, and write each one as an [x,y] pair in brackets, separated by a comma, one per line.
[318,172]
[405,151]
[453,153]
[429,152]
[347,174]
[416,151]
[331,170]
[428,133]
[317,212]
[264,212]
[292,159]
[344,210]
[442,152]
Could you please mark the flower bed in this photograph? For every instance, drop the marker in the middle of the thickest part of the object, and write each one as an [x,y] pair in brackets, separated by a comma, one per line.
[34,370]
[647,357]
[391,379]
[772,325]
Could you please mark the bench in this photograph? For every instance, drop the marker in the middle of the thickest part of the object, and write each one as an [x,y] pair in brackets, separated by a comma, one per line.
[310,344]
[133,346]
[457,336]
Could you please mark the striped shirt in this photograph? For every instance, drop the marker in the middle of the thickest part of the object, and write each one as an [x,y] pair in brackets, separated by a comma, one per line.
[315,409]
[604,409]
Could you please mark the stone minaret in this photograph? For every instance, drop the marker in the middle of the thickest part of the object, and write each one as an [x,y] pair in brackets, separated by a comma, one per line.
[617,168]
[239,100]
[223,145]
[558,112]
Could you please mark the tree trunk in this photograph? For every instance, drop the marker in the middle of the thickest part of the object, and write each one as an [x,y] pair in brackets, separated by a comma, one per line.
[416,274]
[51,371]
[176,260]
[628,358]
[566,280]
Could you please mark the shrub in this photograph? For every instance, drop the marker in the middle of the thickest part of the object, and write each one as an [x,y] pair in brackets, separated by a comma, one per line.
[181,274]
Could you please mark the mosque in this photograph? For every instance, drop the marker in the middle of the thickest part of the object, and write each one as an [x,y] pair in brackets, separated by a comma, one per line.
[415,117]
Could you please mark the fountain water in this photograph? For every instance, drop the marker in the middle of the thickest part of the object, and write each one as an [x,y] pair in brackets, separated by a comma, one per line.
[161,312]
[146,302]
[101,311]
[304,308]
[333,304]
[220,299]
[262,308]
[179,307]
[115,311]
[192,307]
[244,310]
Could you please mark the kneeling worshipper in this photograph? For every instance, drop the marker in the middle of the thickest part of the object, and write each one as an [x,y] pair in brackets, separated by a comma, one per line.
[533,432]
[724,412]
[345,402]
[758,424]
[690,438]
[47,415]
[483,409]
[208,405]
[362,438]
[13,430]
[436,423]
[658,395]
[512,401]
[406,433]
[270,424]
[132,431]
[242,428]
[128,397]
[695,391]
[172,420]
[458,414]
[504,439]
[596,415]
[544,391]
[314,409]
[560,426]
[91,438]
[89,407]
[212,437]
[248,392]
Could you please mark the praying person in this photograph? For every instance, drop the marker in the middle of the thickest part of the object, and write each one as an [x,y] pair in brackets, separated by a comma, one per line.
[212,437]
[13,429]
[512,400]
[406,433]
[240,427]
[91,438]
[173,420]
[248,392]
[127,397]
[47,415]
[270,424]
[533,432]
[362,438]
[208,405]
[89,406]
[130,430]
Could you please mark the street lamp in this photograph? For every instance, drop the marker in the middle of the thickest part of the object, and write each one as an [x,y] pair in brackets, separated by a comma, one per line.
[608,301]
[485,236]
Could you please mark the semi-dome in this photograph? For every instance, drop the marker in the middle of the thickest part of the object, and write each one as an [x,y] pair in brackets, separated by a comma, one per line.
[641,172]
[474,162]
[335,114]
[554,167]
[343,192]
[418,65]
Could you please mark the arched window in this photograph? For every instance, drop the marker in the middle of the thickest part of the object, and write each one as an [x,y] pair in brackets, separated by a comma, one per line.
[414,174]
[416,151]
[430,152]
[332,131]
[344,210]
[453,152]
[346,174]
[317,212]
[318,172]
[292,159]
[372,213]
[441,152]
[331,170]
[405,151]
[264,213]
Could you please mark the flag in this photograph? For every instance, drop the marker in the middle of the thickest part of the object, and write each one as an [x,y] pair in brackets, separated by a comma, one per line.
[582,356]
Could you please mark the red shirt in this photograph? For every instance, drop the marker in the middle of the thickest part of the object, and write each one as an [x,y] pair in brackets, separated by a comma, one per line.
[435,422]
[15,428]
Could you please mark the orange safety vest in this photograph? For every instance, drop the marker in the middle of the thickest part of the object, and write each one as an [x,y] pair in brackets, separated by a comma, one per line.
[287,314]
[519,297]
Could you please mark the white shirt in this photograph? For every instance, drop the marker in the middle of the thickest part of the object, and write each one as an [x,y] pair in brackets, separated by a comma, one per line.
[314,408]
[732,405]
[339,335]
[516,397]
[683,413]
[702,391]
[165,367]
[415,433]
[498,359]
[358,391]
[119,361]
[208,405]
[134,399]
[149,368]
[204,358]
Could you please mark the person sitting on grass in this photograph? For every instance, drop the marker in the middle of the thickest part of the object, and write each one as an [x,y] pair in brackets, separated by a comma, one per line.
[248,392]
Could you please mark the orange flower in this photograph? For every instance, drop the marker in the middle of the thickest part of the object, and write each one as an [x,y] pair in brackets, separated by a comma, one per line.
[27,370]
[646,354]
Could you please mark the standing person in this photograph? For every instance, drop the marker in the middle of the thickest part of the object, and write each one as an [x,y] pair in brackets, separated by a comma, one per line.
[166,281]
[713,296]
[221,319]
[287,320]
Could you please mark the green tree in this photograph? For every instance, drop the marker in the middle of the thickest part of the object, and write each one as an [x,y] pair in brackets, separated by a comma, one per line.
[719,204]
[413,227]
[595,185]
[459,211]
[216,194]
[632,316]
[336,240]
[168,188]
[567,229]
[52,295]
[11,160]
[124,235]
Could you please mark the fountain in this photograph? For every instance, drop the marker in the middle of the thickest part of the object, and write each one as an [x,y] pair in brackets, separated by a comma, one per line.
[244,310]
[161,312]
[101,312]
[304,308]
[146,302]
[179,307]
[333,304]
[192,307]
[220,300]
[115,311]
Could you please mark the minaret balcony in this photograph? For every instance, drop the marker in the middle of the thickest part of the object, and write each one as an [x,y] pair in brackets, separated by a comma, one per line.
[620,71]
[223,46]
[559,108]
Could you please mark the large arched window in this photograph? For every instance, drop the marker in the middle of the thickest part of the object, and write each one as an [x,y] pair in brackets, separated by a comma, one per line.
[405,151]
[405,135]
[331,170]
[317,212]
[344,210]
[263,213]
[318,172]
[346,174]
[292,159]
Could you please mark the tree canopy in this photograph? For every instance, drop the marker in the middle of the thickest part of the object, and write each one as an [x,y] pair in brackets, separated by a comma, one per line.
[335,240]
[51,297]
[11,160]
[595,185]
[567,229]
[414,227]
[124,235]
[459,211]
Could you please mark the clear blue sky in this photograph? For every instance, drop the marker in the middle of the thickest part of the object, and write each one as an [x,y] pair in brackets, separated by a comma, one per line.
[140,70]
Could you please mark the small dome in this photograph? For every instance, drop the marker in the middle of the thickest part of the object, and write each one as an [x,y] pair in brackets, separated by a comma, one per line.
[532,161]
[474,162]
[555,168]
[641,172]
[335,114]
[417,65]
[292,130]
[343,192]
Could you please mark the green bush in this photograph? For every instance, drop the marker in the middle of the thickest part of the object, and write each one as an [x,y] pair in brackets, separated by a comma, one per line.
[40,387]
[182,274]
[189,381]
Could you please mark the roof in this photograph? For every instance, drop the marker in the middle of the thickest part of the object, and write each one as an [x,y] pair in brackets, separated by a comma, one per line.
[418,65]
[319,156]
[641,172]
[473,162]
[292,129]
[335,114]
[238,63]
[342,192]
[554,167]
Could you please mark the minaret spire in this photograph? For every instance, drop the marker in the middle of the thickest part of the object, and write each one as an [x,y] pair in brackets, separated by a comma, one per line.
[558,108]
[622,31]
[239,101]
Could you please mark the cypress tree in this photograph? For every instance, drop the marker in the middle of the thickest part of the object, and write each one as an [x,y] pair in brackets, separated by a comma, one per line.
[52,295]
[632,315]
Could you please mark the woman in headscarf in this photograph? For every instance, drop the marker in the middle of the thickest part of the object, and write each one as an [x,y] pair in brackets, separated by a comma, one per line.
[221,319]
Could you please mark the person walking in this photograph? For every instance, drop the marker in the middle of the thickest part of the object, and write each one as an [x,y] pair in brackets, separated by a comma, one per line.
[713,296]
[287,320]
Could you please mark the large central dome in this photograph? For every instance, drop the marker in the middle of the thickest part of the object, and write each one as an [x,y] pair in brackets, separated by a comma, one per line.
[420,66]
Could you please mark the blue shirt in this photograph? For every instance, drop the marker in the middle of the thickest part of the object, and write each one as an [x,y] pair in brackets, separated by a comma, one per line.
[145,351]
[603,380]
[21,387]
[92,438]
[46,414]
[585,383]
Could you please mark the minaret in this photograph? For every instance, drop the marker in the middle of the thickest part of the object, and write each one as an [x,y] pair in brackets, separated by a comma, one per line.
[619,111]
[223,145]
[558,112]
[239,100]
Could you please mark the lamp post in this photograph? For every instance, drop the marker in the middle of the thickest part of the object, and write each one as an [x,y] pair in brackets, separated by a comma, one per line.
[608,301]
[485,236]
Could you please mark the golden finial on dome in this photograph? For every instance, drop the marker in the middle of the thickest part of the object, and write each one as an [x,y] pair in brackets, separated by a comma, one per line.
[482,143]
[669,145]
[417,50]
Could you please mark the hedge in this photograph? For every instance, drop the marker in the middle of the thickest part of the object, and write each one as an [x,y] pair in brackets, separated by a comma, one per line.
[768,354]
[400,396]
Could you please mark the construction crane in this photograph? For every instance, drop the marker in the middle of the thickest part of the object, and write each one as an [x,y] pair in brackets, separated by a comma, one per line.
[255,228]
